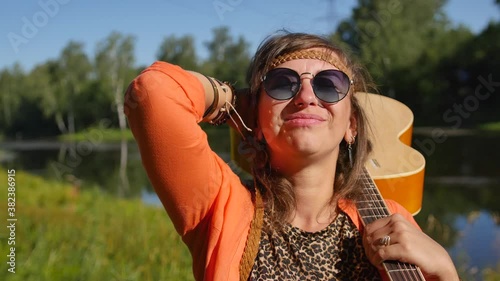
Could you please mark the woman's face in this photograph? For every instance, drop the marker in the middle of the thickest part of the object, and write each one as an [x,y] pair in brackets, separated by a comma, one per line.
[304,126]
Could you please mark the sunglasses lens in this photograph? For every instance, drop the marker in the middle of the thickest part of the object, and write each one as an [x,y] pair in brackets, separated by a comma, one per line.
[331,85]
[328,85]
[281,83]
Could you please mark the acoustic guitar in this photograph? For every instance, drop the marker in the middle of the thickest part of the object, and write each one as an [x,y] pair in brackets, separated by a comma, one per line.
[394,170]
[394,167]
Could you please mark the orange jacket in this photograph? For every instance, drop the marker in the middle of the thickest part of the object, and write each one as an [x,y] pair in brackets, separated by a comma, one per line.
[205,200]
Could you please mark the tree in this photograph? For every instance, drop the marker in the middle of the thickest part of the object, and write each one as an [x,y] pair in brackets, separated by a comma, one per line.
[74,70]
[228,58]
[20,104]
[179,51]
[44,81]
[59,83]
[403,45]
[390,35]
[471,75]
[115,69]
[10,94]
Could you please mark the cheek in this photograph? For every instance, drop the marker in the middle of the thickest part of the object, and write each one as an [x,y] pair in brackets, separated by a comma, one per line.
[269,122]
[341,115]
[269,113]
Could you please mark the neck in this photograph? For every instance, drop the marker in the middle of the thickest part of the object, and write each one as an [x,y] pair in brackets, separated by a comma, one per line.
[313,187]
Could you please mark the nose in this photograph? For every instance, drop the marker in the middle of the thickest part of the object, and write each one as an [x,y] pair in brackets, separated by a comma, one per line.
[306,95]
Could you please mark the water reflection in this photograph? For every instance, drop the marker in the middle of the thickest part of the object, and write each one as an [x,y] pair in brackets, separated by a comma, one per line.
[476,246]
[460,207]
[465,220]
[114,168]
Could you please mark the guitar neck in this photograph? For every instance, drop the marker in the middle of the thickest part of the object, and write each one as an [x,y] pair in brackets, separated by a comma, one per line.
[371,206]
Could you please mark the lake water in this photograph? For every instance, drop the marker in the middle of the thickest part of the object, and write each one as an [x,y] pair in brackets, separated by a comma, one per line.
[460,210]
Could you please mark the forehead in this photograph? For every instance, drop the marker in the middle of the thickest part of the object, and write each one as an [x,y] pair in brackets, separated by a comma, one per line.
[307,65]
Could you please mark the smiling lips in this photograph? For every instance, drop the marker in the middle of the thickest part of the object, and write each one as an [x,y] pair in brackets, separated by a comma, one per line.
[302,119]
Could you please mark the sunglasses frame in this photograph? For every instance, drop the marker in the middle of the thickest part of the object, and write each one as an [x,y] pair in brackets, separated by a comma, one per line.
[341,95]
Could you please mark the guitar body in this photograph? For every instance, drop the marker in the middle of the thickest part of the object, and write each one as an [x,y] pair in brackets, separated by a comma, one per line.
[396,168]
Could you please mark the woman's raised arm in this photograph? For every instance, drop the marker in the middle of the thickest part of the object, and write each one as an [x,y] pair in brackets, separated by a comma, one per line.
[164,105]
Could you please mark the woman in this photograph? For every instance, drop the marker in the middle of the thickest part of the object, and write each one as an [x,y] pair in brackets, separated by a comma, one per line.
[298,220]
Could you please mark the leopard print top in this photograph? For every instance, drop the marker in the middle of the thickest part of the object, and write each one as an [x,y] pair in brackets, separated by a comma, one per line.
[334,253]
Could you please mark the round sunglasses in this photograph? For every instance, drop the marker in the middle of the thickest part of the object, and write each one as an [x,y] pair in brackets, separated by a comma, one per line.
[328,85]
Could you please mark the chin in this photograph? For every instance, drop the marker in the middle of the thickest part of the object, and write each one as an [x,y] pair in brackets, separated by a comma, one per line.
[308,147]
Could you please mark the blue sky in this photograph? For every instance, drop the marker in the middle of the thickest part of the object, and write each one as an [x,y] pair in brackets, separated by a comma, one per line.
[34,31]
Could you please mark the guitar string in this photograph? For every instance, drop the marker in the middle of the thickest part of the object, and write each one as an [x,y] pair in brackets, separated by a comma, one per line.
[408,270]
[399,269]
[378,212]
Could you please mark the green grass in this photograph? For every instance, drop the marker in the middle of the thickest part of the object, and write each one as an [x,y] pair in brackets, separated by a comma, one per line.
[66,234]
[492,126]
[106,135]
[63,234]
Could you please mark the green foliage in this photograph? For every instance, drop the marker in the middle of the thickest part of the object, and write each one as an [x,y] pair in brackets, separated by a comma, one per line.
[228,58]
[12,91]
[416,56]
[410,48]
[391,35]
[180,51]
[66,234]
[61,82]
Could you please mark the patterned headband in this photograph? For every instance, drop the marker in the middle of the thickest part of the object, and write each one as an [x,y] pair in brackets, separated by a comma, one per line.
[309,54]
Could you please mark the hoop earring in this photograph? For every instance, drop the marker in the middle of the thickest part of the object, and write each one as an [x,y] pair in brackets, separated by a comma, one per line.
[349,150]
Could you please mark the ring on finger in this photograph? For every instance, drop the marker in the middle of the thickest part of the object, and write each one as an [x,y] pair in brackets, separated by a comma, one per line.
[385,241]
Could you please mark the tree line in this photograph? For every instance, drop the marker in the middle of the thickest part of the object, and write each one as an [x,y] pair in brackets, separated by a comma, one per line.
[446,74]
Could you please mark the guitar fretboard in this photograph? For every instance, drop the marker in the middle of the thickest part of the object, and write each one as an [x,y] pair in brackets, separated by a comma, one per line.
[371,206]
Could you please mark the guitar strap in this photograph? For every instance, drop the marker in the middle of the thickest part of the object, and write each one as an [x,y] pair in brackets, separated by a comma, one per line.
[253,240]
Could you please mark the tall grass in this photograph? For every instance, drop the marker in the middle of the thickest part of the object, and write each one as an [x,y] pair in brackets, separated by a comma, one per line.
[64,234]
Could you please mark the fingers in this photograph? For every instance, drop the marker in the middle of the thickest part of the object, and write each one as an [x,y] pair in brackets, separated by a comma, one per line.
[388,239]
[393,226]
[394,251]
[394,238]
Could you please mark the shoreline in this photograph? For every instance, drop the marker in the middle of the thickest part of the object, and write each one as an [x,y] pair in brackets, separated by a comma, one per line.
[453,132]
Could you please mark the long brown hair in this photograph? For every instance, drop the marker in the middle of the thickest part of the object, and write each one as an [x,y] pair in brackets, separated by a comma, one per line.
[277,192]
